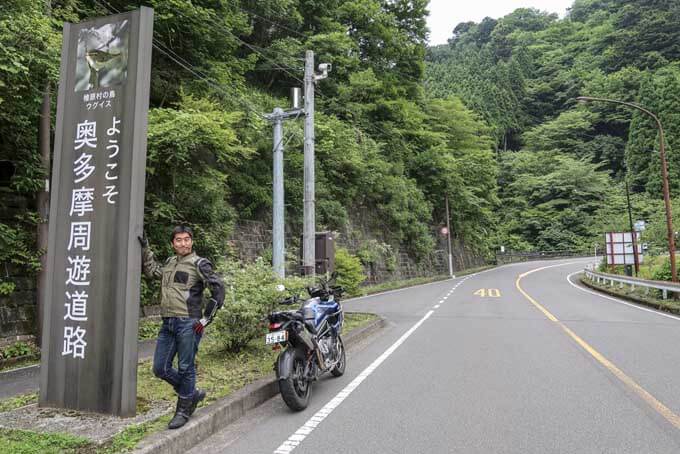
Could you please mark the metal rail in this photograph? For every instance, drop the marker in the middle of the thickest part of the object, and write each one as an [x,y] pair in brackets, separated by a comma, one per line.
[605,278]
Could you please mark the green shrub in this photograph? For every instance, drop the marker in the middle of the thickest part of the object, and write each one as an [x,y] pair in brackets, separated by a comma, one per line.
[148,329]
[349,269]
[663,271]
[18,349]
[251,294]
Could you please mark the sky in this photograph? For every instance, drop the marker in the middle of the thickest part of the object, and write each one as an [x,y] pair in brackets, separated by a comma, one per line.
[446,14]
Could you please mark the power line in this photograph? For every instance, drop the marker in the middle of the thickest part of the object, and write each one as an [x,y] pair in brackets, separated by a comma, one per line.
[272,22]
[167,51]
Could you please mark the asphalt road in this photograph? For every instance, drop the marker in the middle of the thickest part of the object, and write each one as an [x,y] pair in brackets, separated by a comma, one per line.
[505,361]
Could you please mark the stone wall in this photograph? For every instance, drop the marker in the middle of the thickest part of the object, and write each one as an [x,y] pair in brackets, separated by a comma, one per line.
[250,240]
[17,310]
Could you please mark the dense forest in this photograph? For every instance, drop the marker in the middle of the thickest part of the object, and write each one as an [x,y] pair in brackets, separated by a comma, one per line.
[386,154]
[488,120]
[563,166]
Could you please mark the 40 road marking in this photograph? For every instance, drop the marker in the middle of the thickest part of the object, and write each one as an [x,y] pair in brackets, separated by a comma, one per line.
[488,292]
[618,373]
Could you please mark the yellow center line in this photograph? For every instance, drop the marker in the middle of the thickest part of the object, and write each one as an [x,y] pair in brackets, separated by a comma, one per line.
[618,373]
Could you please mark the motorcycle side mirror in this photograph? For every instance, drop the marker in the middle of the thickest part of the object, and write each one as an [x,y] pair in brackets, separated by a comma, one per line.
[291,300]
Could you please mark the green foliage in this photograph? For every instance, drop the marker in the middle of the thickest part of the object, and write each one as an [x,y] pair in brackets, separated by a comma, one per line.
[349,269]
[17,246]
[6,288]
[148,329]
[25,442]
[18,349]
[251,294]
[522,72]
[663,272]
[550,200]
[29,50]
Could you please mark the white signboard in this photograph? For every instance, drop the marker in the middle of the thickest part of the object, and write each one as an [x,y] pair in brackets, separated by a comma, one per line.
[619,248]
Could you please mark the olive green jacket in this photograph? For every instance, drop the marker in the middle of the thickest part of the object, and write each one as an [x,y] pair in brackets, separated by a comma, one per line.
[183,281]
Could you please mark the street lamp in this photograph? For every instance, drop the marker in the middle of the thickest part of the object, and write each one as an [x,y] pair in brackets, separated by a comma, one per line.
[664,174]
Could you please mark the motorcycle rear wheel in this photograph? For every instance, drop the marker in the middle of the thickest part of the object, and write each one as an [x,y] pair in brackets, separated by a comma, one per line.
[296,389]
[339,368]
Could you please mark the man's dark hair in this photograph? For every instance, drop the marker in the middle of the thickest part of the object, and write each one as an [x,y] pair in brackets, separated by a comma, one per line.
[181,229]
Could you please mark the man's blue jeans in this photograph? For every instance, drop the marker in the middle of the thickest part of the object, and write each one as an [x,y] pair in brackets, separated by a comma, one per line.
[177,337]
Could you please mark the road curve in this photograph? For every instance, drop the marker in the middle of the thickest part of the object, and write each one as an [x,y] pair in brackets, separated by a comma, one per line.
[518,359]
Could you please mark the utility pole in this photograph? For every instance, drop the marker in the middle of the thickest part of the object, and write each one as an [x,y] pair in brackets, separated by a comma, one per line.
[309,223]
[43,199]
[448,234]
[277,216]
[278,234]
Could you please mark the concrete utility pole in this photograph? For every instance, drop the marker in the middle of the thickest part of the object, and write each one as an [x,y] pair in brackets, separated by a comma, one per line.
[309,223]
[277,217]
[278,235]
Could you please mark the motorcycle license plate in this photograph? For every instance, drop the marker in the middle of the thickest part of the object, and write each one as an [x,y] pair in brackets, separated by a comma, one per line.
[275,337]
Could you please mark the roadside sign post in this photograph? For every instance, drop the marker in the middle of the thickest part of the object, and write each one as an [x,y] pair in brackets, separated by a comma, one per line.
[89,342]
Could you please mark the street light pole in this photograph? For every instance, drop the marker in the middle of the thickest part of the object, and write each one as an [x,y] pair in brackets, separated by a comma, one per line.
[664,174]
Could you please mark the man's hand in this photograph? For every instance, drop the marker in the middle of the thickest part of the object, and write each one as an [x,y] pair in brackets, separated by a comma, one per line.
[200,325]
[143,241]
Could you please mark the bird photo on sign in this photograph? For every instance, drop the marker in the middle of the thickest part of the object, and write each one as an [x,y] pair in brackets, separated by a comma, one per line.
[102,56]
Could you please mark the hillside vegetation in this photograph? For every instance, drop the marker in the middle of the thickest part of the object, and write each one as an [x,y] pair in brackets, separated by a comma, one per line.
[488,120]
[386,153]
[563,166]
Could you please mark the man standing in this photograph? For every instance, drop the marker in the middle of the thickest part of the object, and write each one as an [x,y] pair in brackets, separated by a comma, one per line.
[184,278]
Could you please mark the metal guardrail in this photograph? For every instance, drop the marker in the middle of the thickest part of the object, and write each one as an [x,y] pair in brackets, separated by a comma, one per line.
[503,258]
[663,286]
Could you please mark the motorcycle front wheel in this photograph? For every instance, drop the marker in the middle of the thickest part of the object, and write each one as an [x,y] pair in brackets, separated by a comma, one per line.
[296,388]
[339,368]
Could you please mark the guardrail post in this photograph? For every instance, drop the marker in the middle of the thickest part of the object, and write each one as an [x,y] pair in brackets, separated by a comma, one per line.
[665,293]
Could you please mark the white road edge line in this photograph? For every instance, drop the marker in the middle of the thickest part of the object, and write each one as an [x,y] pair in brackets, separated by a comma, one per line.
[294,440]
[663,314]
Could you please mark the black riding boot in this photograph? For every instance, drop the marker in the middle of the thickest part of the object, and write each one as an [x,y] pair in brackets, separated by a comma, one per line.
[199,395]
[182,413]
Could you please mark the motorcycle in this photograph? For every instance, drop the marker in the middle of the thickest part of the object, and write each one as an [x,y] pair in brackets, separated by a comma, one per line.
[311,341]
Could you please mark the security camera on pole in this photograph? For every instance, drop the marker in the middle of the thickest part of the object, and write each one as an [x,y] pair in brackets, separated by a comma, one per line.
[309,224]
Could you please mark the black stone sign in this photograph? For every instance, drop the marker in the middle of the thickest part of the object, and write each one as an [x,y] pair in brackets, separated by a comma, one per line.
[89,350]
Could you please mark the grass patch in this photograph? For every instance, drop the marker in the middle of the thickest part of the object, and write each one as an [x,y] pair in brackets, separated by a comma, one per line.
[148,328]
[30,361]
[356,319]
[218,372]
[638,295]
[25,442]
[18,401]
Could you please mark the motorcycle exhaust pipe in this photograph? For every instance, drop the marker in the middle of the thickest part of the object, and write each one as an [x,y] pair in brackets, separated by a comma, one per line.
[306,339]
[319,356]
